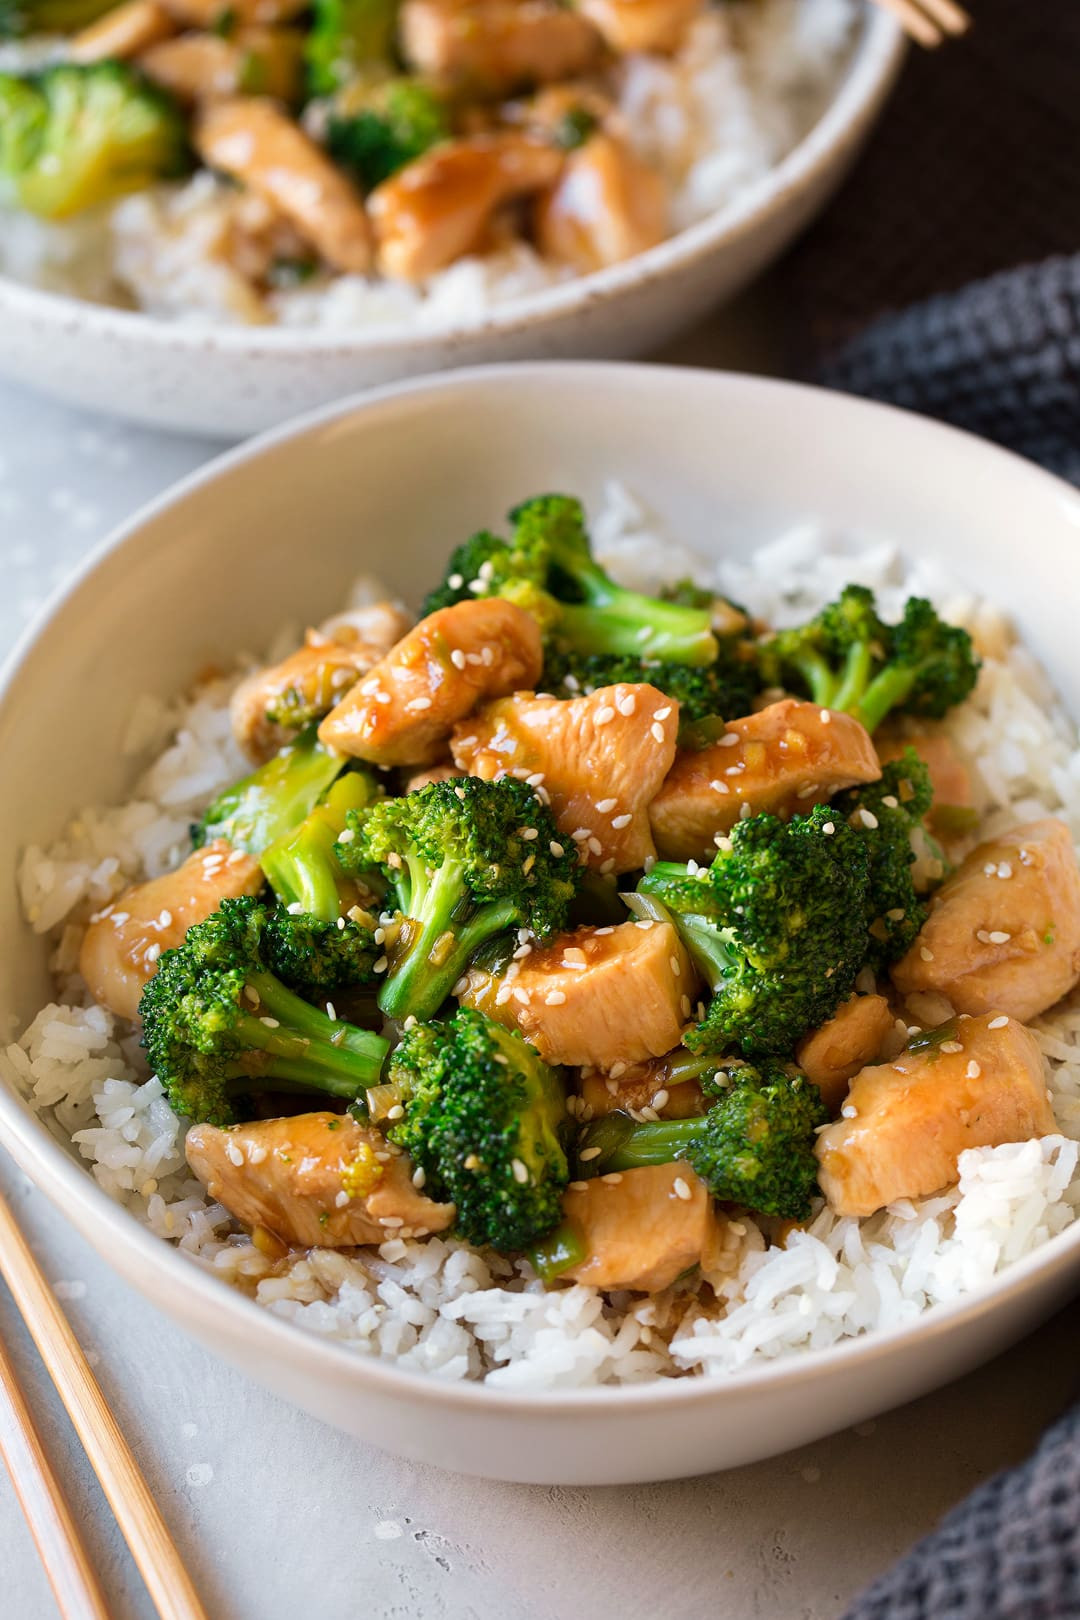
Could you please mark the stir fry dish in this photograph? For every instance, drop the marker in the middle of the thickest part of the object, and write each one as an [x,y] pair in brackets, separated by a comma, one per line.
[581,924]
[377,139]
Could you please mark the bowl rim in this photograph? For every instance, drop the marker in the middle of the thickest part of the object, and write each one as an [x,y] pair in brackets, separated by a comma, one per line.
[64,1180]
[875,63]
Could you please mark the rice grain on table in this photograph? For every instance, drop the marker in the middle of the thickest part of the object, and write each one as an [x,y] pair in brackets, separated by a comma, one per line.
[445,1309]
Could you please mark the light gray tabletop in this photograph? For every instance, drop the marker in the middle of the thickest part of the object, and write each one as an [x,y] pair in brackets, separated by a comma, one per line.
[277,1515]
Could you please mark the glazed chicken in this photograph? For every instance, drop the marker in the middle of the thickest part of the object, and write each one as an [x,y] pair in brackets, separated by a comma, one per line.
[598,996]
[402,713]
[599,759]
[643,1228]
[642,25]
[314,1180]
[495,46]
[635,1086]
[853,1037]
[1004,929]
[605,206]
[950,778]
[124,32]
[205,67]
[976,1082]
[783,759]
[121,947]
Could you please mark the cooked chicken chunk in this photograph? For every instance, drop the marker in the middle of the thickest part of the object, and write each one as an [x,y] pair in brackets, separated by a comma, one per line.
[270,704]
[254,141]
[600,759]
[208,13]
[597,996]
[605,206]
[1004,929]
[642,25]
[315,1181]
[786,758]
[495,46]
[852,1038]
[977,1082]
[123,32]
[402,713]
[123,942]
[198,67]
[438,207]
[639,1085]
[949,776]
[642,1229]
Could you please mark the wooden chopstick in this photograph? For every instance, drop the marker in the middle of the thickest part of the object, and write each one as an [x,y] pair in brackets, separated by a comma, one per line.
[929,22]
[67,1562]
[126,1490]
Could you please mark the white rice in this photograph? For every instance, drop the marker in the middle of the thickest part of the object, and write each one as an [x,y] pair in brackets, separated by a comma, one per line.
[749,82]
[442,1308]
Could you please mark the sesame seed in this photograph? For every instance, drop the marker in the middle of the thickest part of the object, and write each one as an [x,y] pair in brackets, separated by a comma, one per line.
[605,806]
[391,1221]
[382,697]
[251,994]
[380,966]
[456,581]
[951,1047]
[341,1200]
[294,909]
[974,1070]
[419,1176]
[612,1178]
[675,965]
[647,1113]
[848,1111]
[657,731]
[476,586]
[379,935]
[608,865]
[619,822]
[556,848]
[684,1006]
[1004,870]
[522,951]
[457,658]
[165,919]
[604,715]
[998,1023]
[598,932]
[617,1068]
[331,1012]
[487,657]
[660,1099]
[152,953]
[415,704]
[535,780]
[719,787]
[589,1153]
[626,704]
[573,956]
[734,770]
[580,834]
[554,998]
[528,834]
[896,914]
[595,846]
[999,937]
[681,1189]
[410,1021]
[662,714]
[868,819]
[521,995]
[396,1112]
[234,1154]
[270,1023]
[730,739]
[926,953]
[890,801]
[643,634]
[825,717]
[521,1174]
[644,922]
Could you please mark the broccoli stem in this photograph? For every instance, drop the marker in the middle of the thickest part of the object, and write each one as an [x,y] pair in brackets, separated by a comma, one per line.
[434,949]
[310,1043]
[301,872]
[886,691]
[711,949]
[625,624]
[626,1145]
[557,1252]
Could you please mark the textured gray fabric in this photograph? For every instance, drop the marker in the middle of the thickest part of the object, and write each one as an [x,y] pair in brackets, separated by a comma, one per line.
[1010,1552]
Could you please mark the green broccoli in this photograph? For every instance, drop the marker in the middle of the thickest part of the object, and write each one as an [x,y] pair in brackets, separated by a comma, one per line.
[885,815]
[776,925]
[848,658]
[466,860]
[726,687]
[316,957]
[301,866]
[397,122]
[548,567]
[21,17]
[483,1120]
[219,1023]
[754,1146]
[275,798]
[348,39]
[74,136]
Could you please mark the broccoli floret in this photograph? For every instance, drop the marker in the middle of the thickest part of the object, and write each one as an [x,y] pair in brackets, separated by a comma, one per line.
[755,1145]
[726,687]
[399,120]
[466,860]
[884,815]
[548,567]
[848,658]
[73,136]
[347,39]
[483,1119]
[301,866]
[219,1023]
[20,17]
[274,799]
[776,925]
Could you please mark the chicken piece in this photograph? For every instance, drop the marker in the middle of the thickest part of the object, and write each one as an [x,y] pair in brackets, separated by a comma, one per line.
[600,759]
[404,710]
[495,46]
[198,67]
[642,25]
[121,947]
[852,1038]
[952,810]
[975,1082]
[269,705]
[1004,929]
[438,207]
[315,1181]
[605,206]
[642,1228]
[208,14]
[124,32]
[786,757]
[636,1086]
[594,997]
[251,139]
[433,773]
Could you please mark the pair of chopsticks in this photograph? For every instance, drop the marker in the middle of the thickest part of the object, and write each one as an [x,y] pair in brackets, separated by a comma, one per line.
[929,22]
[67,1563]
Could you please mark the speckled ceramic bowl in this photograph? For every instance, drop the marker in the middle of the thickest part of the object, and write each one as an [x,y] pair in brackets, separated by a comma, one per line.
[725,462]
[230,381]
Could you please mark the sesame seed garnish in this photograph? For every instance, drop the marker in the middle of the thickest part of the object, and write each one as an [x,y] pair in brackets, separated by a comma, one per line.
[233,1153]
[346,836]
[535,780]
[644,922]
[580,834]
[270,1023]
[829,828]
[417,703]
[675,965]
[951,1047]
[890,801]
[456,581]
[896,914]
[825,717]
[556,848]
[868,819]
[380,966]
[1004,870]
[626,704]
[657,731]
[999,937]
[341,1200]
[730,739]
[589,1153]
[457,658]
[604,715]
[643,634]
[331,1012]
[617,1068]
[612,1178]
[850,1112]
[998,1023]
[521,1174]
[660,1098]
[251,994]
[522,951]
[521,994]
[662,714]
[379,935]
[926,953]
[419,1176]
[391,1222]
[974,1070]
[152,953]
[619,822]
[396,1112]
[165,919]
[681,1189]
[528,834]
[294,908]
[719,787]
[605,806]
[382,697]
[554,998]
[684,1006]
[410,1020]
[595,846]
[527,864]
[734,770]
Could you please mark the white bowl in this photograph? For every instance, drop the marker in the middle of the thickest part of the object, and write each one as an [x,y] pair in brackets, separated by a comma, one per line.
[230,381]
[279,527]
